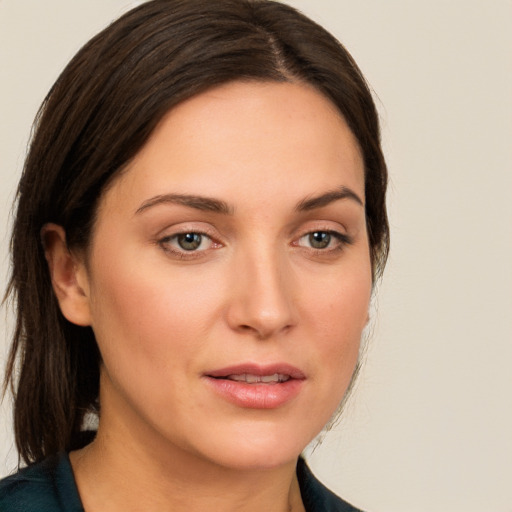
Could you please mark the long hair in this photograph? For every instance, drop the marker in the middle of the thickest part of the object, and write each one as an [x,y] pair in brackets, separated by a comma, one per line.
[97,116]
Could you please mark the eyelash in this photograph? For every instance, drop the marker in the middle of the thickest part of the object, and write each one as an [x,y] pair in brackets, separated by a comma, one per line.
[342,240]
[166,242]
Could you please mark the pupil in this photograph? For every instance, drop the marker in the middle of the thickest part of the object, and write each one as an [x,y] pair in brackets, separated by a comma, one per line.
[189,241]
[319,239]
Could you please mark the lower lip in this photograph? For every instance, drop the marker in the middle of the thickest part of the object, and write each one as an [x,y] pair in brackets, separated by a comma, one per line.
[256,396]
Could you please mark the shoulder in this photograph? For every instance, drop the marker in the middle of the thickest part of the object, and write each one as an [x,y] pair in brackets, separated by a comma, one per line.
[316,497]
[46,486]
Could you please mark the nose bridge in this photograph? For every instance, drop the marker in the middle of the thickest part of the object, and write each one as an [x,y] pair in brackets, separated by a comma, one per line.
[262,299]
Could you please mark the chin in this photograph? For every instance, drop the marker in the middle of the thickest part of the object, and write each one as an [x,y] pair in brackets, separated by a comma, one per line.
[257,448]
[260,461]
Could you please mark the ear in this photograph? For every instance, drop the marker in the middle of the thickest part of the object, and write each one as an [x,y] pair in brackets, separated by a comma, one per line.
[68,274]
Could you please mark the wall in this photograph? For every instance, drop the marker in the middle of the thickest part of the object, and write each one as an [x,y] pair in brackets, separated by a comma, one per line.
[429,428]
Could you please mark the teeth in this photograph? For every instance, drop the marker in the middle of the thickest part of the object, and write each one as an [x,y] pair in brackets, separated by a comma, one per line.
[254,379]
[251,379]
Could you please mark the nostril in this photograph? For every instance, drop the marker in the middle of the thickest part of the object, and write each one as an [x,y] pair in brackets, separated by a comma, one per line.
[250,330]
[263,332]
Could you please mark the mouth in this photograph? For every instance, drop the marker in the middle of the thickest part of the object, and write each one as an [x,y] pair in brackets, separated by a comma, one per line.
[257,387]
[258,374]
[251,378]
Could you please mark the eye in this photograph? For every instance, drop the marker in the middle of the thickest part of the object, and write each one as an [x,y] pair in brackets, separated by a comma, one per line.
[187,242]
[324,240]
[319,239]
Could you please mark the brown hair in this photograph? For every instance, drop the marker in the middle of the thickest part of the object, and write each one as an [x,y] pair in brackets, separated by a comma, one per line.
[96,117]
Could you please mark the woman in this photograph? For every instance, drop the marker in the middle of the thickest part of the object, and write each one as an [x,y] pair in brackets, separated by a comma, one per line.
[200,223]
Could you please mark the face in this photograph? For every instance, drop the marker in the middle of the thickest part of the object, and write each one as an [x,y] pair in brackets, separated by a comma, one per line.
[229,276]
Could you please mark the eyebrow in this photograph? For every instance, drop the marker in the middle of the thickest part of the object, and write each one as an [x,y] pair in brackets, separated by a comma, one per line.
[207,204]
[311,203]
[210,204]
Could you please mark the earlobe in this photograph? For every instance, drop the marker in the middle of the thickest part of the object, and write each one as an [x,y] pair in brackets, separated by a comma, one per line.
[68,276]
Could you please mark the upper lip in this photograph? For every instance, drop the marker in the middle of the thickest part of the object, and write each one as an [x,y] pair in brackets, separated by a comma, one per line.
[257,369]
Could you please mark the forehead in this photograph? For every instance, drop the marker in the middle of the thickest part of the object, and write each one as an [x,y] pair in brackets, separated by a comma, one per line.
[257,138]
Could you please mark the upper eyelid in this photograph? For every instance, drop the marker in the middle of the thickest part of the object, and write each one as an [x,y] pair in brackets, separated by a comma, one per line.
[215,235]
[333,232]
[185,232]
[323,226]
[175,235]
[185,227]
[220,236]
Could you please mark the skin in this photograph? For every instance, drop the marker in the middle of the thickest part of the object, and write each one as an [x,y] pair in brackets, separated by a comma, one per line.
[255,290]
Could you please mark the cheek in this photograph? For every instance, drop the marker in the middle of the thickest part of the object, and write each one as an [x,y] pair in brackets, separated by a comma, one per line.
[148,332]
[337,313]
[149,316]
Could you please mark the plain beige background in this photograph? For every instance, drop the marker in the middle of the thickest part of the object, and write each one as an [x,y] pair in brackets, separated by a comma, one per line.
[430,425]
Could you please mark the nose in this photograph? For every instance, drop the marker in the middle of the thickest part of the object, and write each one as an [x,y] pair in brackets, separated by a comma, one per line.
[262,296]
